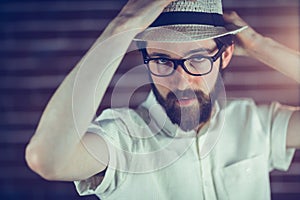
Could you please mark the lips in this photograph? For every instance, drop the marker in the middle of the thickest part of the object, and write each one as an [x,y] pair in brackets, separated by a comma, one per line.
[186,101]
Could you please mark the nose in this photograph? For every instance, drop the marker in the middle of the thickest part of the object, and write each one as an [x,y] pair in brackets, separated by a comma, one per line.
[182,80]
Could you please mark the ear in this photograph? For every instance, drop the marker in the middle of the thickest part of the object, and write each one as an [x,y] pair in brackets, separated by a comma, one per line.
[227,55]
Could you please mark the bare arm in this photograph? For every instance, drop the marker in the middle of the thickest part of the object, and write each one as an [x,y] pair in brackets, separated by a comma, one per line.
[276,56]
[60,148]
[266,50]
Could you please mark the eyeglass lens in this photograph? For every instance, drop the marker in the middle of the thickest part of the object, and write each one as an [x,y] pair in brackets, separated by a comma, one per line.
[195,65]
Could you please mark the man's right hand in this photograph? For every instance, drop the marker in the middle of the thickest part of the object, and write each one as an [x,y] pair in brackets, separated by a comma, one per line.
[141,13]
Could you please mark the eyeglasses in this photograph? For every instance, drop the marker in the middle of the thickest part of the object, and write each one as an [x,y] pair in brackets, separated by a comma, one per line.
[196,65]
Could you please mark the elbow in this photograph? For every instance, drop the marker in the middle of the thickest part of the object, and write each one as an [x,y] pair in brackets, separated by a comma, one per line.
[38,163]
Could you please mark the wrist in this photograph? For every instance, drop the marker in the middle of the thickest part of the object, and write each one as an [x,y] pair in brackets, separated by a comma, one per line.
[122,24]
[254,42]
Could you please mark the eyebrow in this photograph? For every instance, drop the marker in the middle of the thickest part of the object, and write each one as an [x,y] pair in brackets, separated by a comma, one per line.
[160,55]
[201,50]
[188,53]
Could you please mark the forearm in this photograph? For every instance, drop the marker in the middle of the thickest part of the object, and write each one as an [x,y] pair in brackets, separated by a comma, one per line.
[276,56]
[57,144]
[72,107]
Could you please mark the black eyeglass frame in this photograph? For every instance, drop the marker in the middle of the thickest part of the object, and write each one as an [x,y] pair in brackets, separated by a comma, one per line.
[177,62]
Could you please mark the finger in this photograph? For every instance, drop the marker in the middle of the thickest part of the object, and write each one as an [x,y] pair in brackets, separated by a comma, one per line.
[233,18]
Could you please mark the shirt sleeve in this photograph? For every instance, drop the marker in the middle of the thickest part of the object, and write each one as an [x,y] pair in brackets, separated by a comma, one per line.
[111,128]
[278,116]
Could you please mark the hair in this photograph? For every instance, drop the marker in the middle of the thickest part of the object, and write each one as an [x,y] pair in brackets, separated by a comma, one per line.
[141,45]
[226,40]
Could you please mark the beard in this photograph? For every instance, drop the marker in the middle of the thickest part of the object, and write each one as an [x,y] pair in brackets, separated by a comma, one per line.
[186,117]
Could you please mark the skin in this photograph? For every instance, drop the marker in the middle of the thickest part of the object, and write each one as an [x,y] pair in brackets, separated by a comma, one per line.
[180,80]
[61,149]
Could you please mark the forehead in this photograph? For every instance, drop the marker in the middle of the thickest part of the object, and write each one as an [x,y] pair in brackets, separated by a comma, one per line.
[180,48]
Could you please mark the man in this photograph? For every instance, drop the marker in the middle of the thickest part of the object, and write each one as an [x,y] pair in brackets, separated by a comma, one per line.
[184,141]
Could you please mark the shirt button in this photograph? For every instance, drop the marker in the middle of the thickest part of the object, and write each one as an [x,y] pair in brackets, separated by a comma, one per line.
[248,170]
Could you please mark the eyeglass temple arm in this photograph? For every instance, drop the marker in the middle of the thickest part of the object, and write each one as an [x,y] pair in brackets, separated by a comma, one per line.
[145,55]
[215,57]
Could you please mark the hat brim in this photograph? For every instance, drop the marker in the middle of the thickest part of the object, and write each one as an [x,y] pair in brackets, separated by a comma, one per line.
[186,33]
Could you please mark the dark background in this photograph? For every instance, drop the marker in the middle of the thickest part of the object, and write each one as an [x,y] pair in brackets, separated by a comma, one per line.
[41,41]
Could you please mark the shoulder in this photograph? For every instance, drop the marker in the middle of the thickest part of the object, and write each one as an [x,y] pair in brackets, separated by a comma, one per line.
[249,105]
[115,114]
[241,104]
[247,110]
[125,119]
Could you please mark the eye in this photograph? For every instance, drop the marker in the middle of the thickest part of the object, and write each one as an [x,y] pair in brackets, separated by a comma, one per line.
[162,61]
[197,58]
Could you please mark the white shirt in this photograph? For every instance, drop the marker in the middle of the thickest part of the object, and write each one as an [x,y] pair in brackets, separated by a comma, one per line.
[151,158]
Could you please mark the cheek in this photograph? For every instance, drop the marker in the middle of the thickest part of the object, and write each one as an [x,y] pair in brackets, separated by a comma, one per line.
[212,79]
[163,85]
[207,82]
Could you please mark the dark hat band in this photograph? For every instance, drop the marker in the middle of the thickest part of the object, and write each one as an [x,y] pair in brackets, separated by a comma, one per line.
[175,18]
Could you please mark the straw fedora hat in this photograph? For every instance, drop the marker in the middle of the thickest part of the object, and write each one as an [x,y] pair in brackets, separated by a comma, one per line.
[189,20]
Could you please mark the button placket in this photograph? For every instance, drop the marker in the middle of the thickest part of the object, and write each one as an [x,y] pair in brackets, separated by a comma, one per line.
[208,189]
